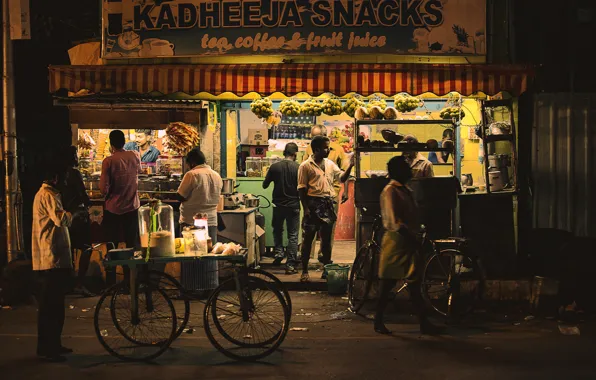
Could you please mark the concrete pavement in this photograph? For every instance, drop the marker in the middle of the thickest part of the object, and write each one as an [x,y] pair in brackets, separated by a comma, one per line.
[489,345]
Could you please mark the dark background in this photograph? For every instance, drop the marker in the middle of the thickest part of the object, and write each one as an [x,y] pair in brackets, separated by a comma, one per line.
[556,37]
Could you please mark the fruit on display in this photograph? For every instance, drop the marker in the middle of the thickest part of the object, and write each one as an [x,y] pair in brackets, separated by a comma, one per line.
[361,113]
[274,120]
[263,107]
[332,107]
[290,107]
[375,112]
[352,104]
[377,103]
[390,113]
[181,137]
[449,113]
[406,103]
[312,107]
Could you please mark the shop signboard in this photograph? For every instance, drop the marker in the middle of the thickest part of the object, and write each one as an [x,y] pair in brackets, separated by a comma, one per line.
[185,28]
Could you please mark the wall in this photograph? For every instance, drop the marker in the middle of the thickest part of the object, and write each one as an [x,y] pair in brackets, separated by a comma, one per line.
[563,162]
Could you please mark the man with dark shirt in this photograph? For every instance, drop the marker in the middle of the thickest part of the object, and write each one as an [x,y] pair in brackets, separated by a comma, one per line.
[284,175]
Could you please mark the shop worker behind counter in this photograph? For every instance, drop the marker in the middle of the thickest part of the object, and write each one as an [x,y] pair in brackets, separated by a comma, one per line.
[315,187]
[142,144]
[119,185]
[199,193]
[286,206]
[52,260]
[421,167]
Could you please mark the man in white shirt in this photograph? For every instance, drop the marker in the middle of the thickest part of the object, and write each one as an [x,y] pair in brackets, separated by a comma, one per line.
[199,193]
[317,195]
[52,260]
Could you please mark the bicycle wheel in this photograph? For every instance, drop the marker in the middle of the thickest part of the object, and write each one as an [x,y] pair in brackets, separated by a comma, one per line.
[264,275]
[452,283]
[176,293]
[249,334]
[142,339]
[362,276]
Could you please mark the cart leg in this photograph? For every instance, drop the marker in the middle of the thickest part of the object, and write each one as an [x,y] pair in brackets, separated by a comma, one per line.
[134,300]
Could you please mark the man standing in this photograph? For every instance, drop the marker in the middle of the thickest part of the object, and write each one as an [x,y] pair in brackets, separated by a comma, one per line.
[286,202]
[399,257]
[421,167]
[75,199]
[143,138]
[199,193]
[338,157]
[119,185]
[51,257]
[315,187]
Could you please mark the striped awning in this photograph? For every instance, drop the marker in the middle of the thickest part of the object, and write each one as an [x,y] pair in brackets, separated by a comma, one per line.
[291,79]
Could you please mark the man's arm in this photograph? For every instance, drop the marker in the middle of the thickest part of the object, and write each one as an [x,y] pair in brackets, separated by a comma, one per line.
[303,193]
[346,174]
[429,170]
[268,178]
[104,179]
[55,211]
[303,188]
[185,188]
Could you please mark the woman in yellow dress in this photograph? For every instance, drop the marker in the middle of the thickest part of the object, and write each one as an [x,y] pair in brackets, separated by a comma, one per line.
[400,246]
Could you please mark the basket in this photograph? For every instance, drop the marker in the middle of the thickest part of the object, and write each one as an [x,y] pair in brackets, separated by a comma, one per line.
[337,278]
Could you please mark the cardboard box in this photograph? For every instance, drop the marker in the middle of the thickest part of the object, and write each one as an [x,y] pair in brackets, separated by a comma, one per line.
[258,136]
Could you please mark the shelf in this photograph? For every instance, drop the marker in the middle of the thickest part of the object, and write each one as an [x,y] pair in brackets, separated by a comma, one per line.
[497,103]
[495,138]
[389,150]
[398,122]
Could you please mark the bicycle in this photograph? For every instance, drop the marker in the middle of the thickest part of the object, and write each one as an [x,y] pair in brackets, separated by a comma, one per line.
[246,317]
[448,269]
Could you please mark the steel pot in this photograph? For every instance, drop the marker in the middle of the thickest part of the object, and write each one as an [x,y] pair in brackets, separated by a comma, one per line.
[499,160]
[228,186]
[467,180]
[251,202]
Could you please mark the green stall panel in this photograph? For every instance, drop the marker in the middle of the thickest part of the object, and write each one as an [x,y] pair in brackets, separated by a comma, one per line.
[254,186]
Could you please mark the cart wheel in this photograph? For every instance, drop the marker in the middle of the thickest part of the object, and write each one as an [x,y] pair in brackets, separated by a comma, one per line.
[142,339]
[264,275]
[176,294]
[254,333]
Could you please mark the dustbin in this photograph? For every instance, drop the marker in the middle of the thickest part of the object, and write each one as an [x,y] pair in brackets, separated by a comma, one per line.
[337,278]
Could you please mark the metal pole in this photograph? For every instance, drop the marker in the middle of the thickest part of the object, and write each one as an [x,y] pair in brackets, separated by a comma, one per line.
[9,154]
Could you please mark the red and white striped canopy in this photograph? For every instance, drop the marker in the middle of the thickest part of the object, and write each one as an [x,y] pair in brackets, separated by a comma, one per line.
[291,79]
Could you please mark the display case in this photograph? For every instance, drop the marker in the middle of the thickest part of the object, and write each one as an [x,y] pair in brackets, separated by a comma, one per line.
[156,228]
[266,164]
[168,165]
[254,166]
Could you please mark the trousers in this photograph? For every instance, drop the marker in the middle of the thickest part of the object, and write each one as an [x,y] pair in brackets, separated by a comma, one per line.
[50,315]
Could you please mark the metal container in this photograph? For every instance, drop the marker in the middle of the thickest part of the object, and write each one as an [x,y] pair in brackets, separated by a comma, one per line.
[228,186]
[251,202]
[499,160]
[496,180]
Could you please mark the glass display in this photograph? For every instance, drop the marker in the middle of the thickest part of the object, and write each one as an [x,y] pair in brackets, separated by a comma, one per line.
[266,164]
[156,228]
[168,165]
[254,167]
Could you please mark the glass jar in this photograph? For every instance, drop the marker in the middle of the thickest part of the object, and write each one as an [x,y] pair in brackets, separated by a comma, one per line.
[254,167]
[195,241]
[266,164]
[156,227]
[168,165]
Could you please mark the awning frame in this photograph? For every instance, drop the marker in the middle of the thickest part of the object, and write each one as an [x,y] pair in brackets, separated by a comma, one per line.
[292,79]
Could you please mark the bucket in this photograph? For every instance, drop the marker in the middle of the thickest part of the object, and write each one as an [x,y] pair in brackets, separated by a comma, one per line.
[337,278]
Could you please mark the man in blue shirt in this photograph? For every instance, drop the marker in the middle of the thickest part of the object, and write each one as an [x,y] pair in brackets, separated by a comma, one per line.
[143,138]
